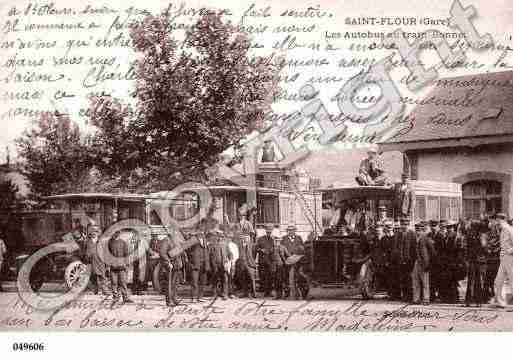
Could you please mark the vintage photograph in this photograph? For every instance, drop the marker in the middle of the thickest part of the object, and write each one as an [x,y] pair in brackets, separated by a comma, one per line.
[256,166]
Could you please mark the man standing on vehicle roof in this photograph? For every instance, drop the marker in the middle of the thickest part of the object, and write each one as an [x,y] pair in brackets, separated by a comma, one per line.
[403,198]
[3,252]
[372,172]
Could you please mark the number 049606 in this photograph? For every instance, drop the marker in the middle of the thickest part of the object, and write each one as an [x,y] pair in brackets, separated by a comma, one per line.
[28,347]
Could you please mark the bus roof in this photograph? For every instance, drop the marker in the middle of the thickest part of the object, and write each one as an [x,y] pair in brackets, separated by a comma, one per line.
[100,195]
[344,192]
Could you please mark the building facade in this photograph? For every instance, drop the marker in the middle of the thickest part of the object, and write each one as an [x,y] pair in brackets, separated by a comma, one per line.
[463,132]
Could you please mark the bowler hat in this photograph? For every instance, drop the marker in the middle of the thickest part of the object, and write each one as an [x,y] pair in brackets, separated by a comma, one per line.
[291,228]
[268,227]
[451,223]
[434,223]
[500,215]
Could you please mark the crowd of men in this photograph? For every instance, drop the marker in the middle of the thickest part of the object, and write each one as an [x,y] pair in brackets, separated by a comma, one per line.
[427,263]
[229,259]
[421,265]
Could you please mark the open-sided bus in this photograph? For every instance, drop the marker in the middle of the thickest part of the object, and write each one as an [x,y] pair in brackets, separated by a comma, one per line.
[277,207]
[32,231]
[339,260]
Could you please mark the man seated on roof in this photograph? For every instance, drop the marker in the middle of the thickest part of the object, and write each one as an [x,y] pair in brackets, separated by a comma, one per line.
[372,172]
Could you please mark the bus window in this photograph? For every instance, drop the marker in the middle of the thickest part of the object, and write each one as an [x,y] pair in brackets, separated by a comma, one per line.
[420,208]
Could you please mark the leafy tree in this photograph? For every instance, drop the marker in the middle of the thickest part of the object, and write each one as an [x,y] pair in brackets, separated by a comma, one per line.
[55,156]
[193,101]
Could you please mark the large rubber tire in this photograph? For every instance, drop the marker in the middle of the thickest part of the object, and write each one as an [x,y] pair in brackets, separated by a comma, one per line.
[367,281]
[159,278]
[74,273]
[36,282]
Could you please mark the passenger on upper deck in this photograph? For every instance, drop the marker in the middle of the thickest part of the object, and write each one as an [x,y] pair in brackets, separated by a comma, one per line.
[372,172]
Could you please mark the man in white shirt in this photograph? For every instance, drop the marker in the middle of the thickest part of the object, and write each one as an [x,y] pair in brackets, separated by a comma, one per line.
[3,251]
[233,257]
[506,259]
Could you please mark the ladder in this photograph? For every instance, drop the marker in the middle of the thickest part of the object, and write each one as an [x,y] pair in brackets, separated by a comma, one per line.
[309,215]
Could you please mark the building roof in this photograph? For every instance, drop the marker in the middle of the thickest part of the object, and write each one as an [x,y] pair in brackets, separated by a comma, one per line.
[472,106]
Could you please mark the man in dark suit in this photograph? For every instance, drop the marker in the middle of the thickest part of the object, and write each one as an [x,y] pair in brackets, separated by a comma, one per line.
[379,255]
[449,251]
[246,265]
[420,273]
[265,249]
[173,267]
[402,253]
[436,236]
[219,262]
[294,245]
[200,265]
[98,268]
[118,247]
[279,268]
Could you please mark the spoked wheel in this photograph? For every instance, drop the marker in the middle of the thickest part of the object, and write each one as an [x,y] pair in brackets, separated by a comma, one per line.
[367,281]
[75,273]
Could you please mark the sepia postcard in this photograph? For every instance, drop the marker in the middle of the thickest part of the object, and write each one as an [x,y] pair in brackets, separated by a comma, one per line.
[235,166]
